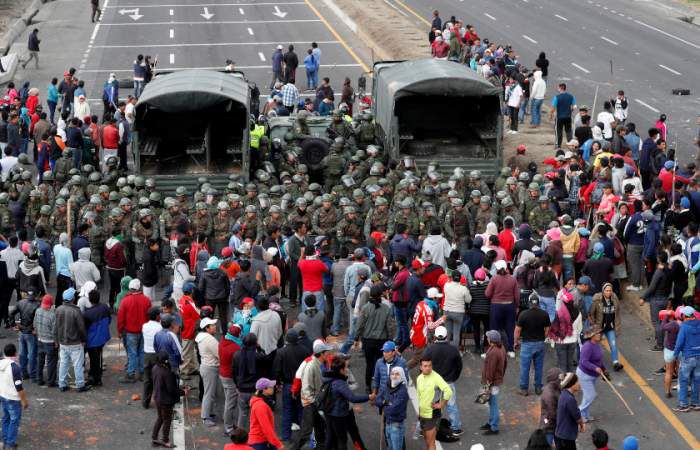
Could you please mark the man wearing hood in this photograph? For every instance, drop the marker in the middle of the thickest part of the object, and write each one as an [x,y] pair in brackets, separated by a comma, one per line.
[30,276]
[402,244]
[267,326]
[12,256]
[287,361]
[44,325]
[688,343]
[84,270]
[549,401]
[215,287]
[437,247]
[313,319]
[71,335]
[571,242]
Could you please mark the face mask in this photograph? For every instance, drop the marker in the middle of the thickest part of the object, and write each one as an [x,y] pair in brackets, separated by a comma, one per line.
[395,383]
[245,313]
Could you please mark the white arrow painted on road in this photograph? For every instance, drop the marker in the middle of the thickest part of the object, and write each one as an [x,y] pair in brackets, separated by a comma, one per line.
[279,13]
[134,13]
[206,14]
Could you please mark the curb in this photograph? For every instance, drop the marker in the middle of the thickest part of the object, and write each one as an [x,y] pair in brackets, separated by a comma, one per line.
[13,32]
[9,63]
[31,11]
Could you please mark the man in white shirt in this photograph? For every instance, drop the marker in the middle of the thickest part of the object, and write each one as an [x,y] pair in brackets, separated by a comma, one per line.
[514,93]
[621,107]
[12,256]
[7,162]
[130,109]
[149,331]
[608,121]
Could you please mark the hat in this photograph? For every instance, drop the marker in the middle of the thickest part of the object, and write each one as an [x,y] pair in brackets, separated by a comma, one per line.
[134,285]
[685,203]
[68,295]
[264,383]
[441,332]
[598,247]
[494,336]
[389,346]
[688,311]
[583,231]
[553,234]
[500,265]
[434,293]
[668,165]
[206,322]
[320,346]
[568,380]
[279,47]
[630,443]
[480,274]
[188,287]
[235,330]
[595,329]
[416,263]
[585,280]
[46,301]
[521,148]
[226,252]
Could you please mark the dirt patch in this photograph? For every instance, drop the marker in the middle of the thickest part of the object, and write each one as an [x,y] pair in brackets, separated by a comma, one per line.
[10,10]
[539,141]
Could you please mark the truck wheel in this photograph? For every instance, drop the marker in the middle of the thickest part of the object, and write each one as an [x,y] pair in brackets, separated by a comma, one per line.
[313,151]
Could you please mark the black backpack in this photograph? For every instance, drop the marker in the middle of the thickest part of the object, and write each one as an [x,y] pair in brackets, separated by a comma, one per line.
[324,399]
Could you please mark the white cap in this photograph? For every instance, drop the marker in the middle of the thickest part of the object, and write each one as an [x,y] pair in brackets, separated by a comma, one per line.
[135,285]
[434,293]
[441,332]
[477,447]
[279,47]
[500,264]
[206,322]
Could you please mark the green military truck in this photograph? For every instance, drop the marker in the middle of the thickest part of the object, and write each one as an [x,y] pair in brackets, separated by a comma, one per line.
[312,147]
[435,110]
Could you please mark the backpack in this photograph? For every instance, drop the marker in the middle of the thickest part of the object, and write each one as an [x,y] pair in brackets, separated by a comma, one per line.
[324,399]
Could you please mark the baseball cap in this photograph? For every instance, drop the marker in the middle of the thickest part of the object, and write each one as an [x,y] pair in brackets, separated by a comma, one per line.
[389,346]
[434,293]
[226,252]
[668,165]
[441,332]
[521,148]
[688,311]
[416,263]
[320,346]
[68,295]
[134,285]
[494,336]
[206,322]
[264,383]
[46,301]
[500,265]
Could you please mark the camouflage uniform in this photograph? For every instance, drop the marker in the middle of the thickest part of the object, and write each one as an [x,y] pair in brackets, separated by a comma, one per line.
[200,222]
[483,216]
[325,221]
[350,229]
[140,234]
[540,218]
[251,226]
[223,224]
[457,221]
[376,219]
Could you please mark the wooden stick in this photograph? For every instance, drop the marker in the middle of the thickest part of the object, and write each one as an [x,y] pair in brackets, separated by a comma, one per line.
[617,393]
[381,430]
[68,220]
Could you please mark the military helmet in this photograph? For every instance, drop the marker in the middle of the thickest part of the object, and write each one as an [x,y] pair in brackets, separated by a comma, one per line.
[452,194]
[511,180]
[355,160]
[232,186]
[75,179]
[538,178]
[222,206]
[285,174]
[88,168]
[317,202]
[144,212]
[181,190]
[201,180]
[95,199]
[201,206]
[34,193]
[543,199]
[486,199]
[130,179]
[457,202]
[169,202]
[429,190]
[276,190]
[403,183]
[150,183]
[524,177]
[95,177]
[443,187]
[116,212]
[48,176]
[301,202]
[45,210]
[505,171]
[275,209]
[212,191]
[297,178]
[309,196]
[475,175]
[59,201]
[500,195]
[5,198]
[506,202]
[315,187]
[533,186]
[380,201]
[357,193]
[301,168]
[23,158]
[262,176]
[64,193]
[113,196]
[427,206]
[476,194]
[234,198]
[251,209]
[67,152]
[251,187]
[154,196]
[326,198]
[234,177]
[288,136]
[407,203]
[26,175]
[204,187]
[125,201]
[103,188]
[121,182]
[349,210]
[112,161]
[126,191]
[360,154]
[376,169]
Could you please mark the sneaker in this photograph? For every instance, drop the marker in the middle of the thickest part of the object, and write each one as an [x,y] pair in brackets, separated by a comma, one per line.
[490,432]
[458,432]
[510,355]
[64,389]
[483,356]
[538,391]
[522,392]
[656,348]
[617,366]
[695,407]
[209,423]
[295,427]
[669,395]
[660,371]
[681,408]
[485,426]
[128,379]
[84,388]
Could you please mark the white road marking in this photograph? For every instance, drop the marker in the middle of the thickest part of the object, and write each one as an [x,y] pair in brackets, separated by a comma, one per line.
[669,69]
[172,12]
[172,33]
[199,5]
[262,57]
[206,14]
[172,58]
[212,44]
[240,10]
[266,67]
[583,69]
[608,40]
[613,11]
[134,13]
[647,105]
[668,34]
[213,22]
[94,32]
[621,15]
[489,16]
[526,37]
[561,17]
[250,31]
[394,7]
[279,13]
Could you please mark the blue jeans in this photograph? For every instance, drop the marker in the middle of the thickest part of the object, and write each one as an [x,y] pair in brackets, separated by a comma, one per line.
[494,414]
[338,308]
[453,410]
[27,350]
[549,305]
[134,353]
[320,300]
[52,110]
[523,110]
[612,342]
[74,354]
[567,267]
[138,88]
[311,78]
[11,416]
[401,316]
[351,336]
[394,432]
[531,352]
[291,412]
[689,371]
[589,394]
[536,111]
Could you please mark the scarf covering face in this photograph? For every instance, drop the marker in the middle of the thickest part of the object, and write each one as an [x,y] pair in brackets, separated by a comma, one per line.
[401,373]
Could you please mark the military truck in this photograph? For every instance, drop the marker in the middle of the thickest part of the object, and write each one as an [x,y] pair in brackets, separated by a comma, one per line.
[192,122]
[312,149]
[435,110]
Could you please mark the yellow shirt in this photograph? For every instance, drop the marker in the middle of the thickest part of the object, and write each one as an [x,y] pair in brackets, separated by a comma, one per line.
[255,135]
[425,386]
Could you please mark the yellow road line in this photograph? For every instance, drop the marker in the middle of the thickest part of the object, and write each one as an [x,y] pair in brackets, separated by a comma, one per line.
[418,16]
[338,37]
[658,403]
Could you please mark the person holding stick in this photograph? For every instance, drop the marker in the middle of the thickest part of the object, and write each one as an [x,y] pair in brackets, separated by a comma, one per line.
[590,368]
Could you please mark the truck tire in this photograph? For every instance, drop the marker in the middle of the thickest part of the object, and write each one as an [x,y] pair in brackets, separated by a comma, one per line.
[313,151]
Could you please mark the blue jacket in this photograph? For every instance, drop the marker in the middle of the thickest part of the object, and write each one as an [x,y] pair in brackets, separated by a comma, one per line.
[97,320]
[651,238]
[394,401]
[277,61]
[164,341]
[688,340]
[405,246]
[79,242]
[634,230]
[648,148]
[342,396]
[633,142]
[382,370]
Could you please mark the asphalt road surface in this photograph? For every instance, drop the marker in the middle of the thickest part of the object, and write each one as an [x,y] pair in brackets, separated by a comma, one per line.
[639,46]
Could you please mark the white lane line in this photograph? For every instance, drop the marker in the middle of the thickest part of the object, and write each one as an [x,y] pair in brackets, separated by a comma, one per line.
[262,57]
[620,14]
[172,58]
[394,7]
[528,38]
[94,32]
[489,16]
[561,17]
[583,69]
[172,12]
[647,105]
[669,69]
[213,22]
[608,40]
[172,33]
[266,67]
[668,34]
[250,31]
[211,44]
[613,11]
[240,10]
[199,5]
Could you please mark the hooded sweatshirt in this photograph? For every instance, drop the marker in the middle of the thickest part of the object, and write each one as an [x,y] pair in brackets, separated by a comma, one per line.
[314,320]
[31,277]
[257,262]
[267,326]
[438,248]
[570,240]
[262,423]
[123,291]
[688,340]
[539,87]
[549,400]
[83,269]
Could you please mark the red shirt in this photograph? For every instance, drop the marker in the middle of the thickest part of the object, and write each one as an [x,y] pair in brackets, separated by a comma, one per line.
[227,349]
[237,447]
[133,313]
[507,241]
[110,137]
[312,271]
[190,316]
[666,178]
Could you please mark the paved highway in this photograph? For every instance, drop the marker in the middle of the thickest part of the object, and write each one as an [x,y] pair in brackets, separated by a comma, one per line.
[650,49]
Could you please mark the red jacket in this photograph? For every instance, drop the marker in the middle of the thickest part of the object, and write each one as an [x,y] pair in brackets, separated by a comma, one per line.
[133,313]
[32,102]
[312,271]
[666,178]
[227,349]
[262,424]
[399,288]
[110,137]
[190,316]
[237,447]
[431,275]
[114,254]
[506,238]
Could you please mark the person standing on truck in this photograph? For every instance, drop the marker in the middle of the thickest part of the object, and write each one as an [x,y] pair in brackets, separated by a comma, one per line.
[291,62]
[277,59]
